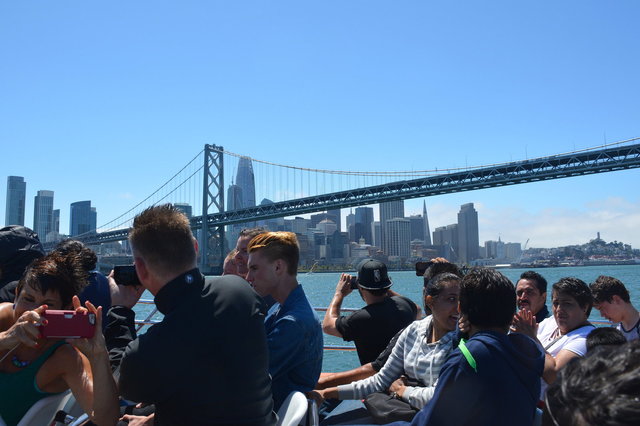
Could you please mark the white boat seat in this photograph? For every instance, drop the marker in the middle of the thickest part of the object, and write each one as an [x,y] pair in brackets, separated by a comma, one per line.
[43,411]
[293,409]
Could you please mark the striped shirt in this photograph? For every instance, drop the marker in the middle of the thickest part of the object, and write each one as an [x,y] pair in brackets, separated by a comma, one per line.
[411,356]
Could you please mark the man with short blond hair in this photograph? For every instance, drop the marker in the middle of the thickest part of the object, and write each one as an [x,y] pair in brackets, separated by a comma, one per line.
[294,336]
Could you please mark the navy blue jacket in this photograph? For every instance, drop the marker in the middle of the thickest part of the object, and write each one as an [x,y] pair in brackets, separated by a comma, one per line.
[503,391]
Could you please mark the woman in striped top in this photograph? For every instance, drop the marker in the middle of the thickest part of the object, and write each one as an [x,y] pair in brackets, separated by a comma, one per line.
[419,353]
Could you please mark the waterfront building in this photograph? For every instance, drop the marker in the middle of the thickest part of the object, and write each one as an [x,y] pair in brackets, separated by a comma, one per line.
[82,218]
[16,194]
[398,237]
[298,225]
[445,238]
[376,231]
[56,221]
[362,225]
[43,213]
[468,235]
[327,227]
[351,222]
[389,210]
[335,215]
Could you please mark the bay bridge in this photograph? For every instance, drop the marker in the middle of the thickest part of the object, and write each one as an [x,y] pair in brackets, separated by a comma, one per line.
[290,191]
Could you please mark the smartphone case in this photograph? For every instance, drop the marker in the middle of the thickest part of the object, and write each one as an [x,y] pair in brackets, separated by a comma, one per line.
[68,324]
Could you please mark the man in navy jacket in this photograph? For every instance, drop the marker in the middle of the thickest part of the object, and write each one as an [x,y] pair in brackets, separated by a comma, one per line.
[493,378]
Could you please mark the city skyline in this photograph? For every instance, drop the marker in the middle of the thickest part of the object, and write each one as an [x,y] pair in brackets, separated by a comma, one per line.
[114,99]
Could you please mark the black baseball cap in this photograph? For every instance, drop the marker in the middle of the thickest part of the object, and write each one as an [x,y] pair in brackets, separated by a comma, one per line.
[372,275]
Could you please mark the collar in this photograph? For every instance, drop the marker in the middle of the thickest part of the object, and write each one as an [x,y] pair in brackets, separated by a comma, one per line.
[173,292]
[542,314]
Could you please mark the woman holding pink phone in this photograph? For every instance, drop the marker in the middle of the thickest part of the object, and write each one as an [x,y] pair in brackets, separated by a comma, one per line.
[33,367]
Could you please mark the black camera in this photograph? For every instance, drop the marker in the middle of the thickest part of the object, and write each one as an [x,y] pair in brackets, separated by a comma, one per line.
[354,282]
[421,268]
[126,275]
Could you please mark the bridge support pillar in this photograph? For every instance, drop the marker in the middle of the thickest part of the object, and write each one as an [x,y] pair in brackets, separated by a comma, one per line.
[212,239]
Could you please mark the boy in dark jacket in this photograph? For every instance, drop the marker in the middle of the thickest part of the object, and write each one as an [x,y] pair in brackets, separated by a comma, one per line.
[493,378]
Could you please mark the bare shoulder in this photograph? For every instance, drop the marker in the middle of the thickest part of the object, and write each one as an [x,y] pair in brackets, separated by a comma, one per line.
[6,316]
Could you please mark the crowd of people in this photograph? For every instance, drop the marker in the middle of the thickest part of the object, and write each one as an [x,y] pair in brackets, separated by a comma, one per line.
[231,348]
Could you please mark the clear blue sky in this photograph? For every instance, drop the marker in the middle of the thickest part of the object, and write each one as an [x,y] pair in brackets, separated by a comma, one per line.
[105,101]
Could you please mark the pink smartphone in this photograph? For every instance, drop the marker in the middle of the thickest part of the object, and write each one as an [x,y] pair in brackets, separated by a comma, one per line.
[68,324]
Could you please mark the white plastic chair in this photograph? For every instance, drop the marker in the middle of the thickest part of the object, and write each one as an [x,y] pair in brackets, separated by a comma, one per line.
[43,411]
[293,409]
[312,418]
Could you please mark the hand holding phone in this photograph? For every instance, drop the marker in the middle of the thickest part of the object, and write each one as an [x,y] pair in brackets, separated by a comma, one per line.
[68,324]
[126,275]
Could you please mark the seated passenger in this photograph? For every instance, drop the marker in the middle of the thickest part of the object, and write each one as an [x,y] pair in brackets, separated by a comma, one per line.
[372,327]
[493,378]
[32,367]
[419,352]
[611,298]
[294,336]
[531,291]
[563,335]
[600,389]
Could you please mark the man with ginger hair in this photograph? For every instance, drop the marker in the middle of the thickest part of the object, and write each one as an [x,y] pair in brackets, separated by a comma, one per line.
[294,335]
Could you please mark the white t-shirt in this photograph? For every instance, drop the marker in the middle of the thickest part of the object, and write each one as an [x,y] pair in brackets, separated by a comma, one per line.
[574,341]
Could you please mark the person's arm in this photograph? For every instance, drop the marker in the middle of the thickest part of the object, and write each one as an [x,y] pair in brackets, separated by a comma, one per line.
[328,380]
[333,312]
[90,379]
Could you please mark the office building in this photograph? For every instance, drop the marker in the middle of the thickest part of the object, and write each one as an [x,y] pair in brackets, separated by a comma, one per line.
[184,208]
[427,232]
[445,238]
[362,225]
[246,181]
[397,237]
[43,214]
[16,194]
[82,218]
[468,236]
[388,211]
[417,227]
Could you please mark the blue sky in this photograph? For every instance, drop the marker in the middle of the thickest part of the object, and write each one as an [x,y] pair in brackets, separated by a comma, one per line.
[106,101]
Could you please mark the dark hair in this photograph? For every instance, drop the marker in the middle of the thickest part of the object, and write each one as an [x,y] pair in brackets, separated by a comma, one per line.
[87,256]
[437,268]
[576,288]
[541,282]
[604,288]
[605,336]
[435,286]
[63,274]
[162,236]
[487,297]
[278,245]
[601,388]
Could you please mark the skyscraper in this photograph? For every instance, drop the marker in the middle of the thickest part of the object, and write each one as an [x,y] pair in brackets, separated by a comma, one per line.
[389,210]
[362,226]
[246,181]
[468,237]
[43,214]
[397,237]
[83,218]
[427,232]
[184,208]
[16,194]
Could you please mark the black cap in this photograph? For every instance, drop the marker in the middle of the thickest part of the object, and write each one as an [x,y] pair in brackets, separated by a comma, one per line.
[372,275]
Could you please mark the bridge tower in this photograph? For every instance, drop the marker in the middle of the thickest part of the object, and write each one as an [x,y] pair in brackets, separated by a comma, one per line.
[212,240]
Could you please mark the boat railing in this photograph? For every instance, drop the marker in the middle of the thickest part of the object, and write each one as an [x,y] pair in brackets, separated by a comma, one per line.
[150,321]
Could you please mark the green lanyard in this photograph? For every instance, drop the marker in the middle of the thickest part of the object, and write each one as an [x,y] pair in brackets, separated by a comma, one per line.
[465,351]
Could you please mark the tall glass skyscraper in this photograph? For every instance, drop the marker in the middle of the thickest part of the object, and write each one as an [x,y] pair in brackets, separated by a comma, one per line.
[468,236]
[246,181]
[83,218]
[16,194]
[43,214]
[362,227]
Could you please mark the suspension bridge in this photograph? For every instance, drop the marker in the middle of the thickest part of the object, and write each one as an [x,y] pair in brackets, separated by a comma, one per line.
[289,191]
